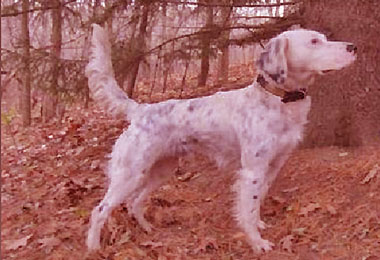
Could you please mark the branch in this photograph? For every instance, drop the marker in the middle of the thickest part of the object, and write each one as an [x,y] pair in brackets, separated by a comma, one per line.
[227,5]
[261,32]
[34,10]
[258,17]
[211,31]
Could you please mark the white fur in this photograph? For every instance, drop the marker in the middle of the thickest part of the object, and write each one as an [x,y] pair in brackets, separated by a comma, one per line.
[248,129]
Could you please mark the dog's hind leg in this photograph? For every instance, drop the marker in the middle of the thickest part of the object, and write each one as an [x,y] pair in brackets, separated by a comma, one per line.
[160,172]
[115,195]
[128,165]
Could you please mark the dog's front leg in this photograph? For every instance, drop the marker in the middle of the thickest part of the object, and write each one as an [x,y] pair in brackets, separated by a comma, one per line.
[251,187]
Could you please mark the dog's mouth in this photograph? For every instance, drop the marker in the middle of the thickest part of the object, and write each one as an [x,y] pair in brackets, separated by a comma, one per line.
[323,72]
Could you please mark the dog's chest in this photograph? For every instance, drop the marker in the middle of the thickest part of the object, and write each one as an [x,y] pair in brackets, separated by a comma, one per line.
[272,122]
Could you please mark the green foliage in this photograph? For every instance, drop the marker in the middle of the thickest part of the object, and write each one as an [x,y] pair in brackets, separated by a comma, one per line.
[71,79]
[8,116]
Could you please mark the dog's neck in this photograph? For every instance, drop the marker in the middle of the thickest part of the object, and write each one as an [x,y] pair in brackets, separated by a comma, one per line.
[286,96]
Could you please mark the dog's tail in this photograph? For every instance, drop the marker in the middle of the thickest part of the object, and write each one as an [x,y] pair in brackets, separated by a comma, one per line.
[101,79]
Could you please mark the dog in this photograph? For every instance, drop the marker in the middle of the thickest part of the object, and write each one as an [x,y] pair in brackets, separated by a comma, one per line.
[253,129]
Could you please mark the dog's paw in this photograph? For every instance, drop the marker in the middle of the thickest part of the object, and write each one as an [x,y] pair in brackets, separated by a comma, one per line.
[92,244]
[146,226]
[261,225]
[262,245]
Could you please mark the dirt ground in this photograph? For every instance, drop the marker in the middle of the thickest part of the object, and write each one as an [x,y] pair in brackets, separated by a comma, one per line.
[325,204]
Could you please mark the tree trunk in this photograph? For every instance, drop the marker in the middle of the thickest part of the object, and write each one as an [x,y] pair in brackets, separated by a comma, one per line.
[141,38]
[345,107]
[278,8]
[25,93]
[1,76]
[165,66]
[224,59]
[206,49]
[50,100]
[109,22]
[187,64]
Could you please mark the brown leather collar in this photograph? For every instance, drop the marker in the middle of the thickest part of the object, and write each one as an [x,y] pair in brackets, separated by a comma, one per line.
[286,96]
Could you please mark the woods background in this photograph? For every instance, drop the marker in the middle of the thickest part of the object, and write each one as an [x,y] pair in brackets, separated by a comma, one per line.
[182,49]
[55,142]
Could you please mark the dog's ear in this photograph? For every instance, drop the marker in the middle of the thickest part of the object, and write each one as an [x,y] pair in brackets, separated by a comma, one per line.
[273,59]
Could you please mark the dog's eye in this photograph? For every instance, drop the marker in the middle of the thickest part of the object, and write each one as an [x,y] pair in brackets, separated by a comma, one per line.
[314,41]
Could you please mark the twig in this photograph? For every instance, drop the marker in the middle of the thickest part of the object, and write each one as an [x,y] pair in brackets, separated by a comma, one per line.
[34,10]
[226,5]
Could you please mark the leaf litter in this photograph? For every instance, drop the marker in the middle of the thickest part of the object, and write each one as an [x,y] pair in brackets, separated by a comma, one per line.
[323,205]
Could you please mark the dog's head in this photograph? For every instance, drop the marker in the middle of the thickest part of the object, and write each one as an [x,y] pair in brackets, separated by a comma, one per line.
[300,54]
[273,60]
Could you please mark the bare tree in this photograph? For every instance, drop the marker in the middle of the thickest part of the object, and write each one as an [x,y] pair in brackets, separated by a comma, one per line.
[25,93]
[163,35]
[178,41]
[50,100]
[224,45]
[345,108]
[141,44]
[205,47]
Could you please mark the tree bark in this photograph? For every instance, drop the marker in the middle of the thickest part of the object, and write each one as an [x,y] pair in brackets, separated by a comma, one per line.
[25,104]
[50,100]
[141,43]
[109,22]
[224,59]
[165,66]
[206,49]
[345,110]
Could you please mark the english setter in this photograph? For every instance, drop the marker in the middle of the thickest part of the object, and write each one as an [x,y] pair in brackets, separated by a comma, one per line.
[253,129]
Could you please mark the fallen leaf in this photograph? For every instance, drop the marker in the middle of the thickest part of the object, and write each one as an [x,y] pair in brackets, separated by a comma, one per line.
[286,243]
[238,235]
[188,176]
[299,231]
[331,210]
[14,244]
[82,213]
[372,173]
[152,244]
[290,190]
[49,241]
[95,164]
[309,208]
[206,244]
[343,154]
[126,237]
[363,233]
[278,199]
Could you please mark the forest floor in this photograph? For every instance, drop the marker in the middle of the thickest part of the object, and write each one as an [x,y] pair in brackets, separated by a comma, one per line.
[325,203]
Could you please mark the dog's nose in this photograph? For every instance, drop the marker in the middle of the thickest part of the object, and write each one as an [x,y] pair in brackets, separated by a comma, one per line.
[351,48]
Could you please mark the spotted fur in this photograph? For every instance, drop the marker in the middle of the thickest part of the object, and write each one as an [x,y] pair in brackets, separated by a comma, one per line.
[250,129]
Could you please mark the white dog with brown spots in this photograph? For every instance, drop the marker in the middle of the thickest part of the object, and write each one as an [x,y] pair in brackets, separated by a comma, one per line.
[253,129]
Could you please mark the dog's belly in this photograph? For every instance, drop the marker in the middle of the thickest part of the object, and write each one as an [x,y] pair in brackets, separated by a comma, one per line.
[221,148]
